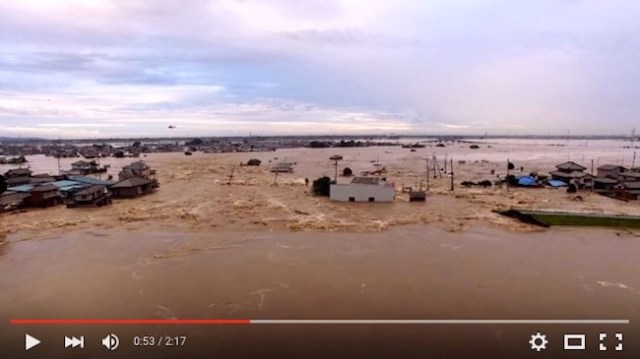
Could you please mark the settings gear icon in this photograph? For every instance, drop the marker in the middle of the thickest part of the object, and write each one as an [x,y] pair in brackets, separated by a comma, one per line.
[538,341]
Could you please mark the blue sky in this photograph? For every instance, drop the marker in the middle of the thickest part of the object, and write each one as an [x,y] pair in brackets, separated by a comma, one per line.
[92,68]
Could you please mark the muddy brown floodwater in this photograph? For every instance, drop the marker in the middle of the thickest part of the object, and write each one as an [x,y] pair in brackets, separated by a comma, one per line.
[407,272]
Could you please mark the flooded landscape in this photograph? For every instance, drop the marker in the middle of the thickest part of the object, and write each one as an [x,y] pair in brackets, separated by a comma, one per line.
[249,179]
[264,247]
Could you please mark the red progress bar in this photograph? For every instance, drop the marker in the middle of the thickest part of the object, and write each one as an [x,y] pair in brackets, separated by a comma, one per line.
[129,321]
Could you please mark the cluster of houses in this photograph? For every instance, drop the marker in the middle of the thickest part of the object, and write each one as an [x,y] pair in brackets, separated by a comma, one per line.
[611,180]
[27,190]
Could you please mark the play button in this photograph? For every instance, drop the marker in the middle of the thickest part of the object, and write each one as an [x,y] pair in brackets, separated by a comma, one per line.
[30,342]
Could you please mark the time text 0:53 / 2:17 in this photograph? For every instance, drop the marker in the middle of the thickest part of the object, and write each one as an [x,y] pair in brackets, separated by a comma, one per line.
[153,341]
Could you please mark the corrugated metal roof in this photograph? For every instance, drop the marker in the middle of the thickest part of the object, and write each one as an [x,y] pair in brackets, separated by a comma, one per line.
[91,180]
[556,183]
[23,188]
[67,183]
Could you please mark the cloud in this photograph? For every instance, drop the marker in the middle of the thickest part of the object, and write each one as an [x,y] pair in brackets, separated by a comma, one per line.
[298,67]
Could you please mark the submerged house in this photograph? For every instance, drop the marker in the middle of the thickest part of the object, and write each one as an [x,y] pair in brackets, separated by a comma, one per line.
[568,171]
[135,169]
[627,191]
[18,172]
[363,189]
[17,176]
[629,176]
[604,184]
[96,195]
[133,187]
[81,167]
[44,196]
[610,171]
[283,167]
[10,199]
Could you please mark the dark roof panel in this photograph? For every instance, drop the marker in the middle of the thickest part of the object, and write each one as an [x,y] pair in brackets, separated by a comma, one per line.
[132,182]
[44,188]
[605,180]
[571,166]
[90,190]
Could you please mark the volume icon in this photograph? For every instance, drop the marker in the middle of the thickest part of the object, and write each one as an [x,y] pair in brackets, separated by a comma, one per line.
[111,341]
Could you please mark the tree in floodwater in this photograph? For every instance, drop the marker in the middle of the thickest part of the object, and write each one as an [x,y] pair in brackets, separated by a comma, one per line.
[322,186]
[3,184]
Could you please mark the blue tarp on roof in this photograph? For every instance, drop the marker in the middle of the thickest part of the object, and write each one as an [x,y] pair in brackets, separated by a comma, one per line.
[25,188]
[92,181]
[526,181]
[556,183]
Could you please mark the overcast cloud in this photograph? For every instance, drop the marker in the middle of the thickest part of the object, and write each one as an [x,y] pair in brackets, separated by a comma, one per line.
[92,68]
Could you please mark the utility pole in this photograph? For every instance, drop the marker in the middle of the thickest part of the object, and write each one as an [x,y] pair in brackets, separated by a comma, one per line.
[451,167]
[593,177]
[445,163]
[507,178]
[427,160]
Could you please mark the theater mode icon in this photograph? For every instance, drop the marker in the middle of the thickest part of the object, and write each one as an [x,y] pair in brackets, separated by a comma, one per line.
[575,341]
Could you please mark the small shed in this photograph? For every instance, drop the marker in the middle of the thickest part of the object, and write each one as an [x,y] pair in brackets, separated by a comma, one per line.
[133,187]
